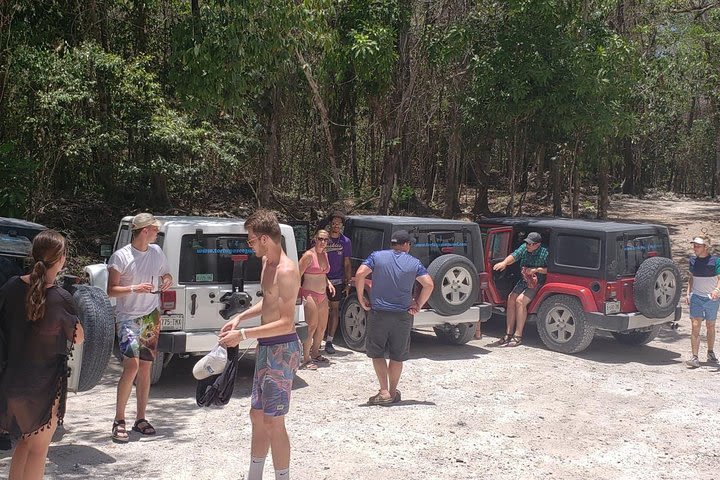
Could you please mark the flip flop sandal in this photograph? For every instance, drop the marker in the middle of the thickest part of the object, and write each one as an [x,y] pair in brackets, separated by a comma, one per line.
[514,342]
[504,340]
[397,397]
[309,365]
[119,433]
[321,359]
[379,399]
[144,427]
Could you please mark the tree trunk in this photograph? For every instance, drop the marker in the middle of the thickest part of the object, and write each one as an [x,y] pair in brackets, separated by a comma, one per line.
[325,119]
[140,14]
[629,167]
[482,160]
[556,168]
[272,145]
[401,98]
[512,165]
[603,188]
[452,205]
[575,199]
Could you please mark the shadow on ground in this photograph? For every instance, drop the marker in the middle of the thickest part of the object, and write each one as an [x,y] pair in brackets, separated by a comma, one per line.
[604,348]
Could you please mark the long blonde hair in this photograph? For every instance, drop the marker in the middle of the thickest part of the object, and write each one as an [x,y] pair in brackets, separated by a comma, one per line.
[48,248]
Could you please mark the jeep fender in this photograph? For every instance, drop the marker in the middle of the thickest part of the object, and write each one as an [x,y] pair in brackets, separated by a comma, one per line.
[582,293]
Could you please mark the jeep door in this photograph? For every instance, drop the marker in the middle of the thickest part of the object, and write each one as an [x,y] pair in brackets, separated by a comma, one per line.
[208,264]
[498,246]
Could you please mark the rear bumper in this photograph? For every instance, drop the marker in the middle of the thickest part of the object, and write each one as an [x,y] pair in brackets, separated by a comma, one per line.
[629,321]
[203,342]
[430,318]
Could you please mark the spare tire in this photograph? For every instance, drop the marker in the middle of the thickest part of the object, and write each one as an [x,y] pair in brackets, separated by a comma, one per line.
[657,287]
[96,316]
[457,285]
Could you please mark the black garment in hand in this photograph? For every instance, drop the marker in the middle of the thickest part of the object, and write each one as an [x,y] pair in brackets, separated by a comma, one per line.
[217,389]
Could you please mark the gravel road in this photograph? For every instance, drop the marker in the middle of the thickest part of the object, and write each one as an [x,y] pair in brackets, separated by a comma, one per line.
[468,411]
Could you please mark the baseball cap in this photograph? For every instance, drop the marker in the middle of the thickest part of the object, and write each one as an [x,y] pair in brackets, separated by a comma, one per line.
[699,241]
[210,364]
[142,220]
[400,237]
[533,237]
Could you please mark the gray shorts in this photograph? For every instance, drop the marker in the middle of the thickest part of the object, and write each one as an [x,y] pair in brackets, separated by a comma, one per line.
[521,287]
[388,332]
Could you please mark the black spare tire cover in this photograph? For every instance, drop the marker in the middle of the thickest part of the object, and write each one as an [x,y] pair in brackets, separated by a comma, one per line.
[457,285]
[96,316]
[657,287]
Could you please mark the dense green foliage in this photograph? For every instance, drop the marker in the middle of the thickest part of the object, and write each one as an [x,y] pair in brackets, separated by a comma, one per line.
[160,103]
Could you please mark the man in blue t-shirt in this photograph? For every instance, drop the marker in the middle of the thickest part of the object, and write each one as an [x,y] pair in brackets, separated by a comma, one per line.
[532,257]
[703,297]
[391,310]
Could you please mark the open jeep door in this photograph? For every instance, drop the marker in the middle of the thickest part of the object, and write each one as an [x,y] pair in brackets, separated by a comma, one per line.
[498,246]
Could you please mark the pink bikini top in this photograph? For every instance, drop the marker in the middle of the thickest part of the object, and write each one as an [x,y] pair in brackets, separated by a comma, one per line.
[314,268]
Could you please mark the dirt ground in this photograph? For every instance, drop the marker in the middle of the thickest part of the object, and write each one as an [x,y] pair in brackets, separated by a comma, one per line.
[613,411]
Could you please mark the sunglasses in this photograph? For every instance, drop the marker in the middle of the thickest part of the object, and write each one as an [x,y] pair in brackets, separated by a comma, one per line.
[323,239]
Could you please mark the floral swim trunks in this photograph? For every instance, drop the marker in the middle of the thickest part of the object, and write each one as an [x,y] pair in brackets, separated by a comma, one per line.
[276,362]
[138,338]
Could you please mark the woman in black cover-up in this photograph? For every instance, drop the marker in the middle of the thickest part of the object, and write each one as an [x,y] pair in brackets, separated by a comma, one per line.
[38,324]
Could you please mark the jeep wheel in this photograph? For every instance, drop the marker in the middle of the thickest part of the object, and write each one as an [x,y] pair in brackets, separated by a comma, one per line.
[459,334]
[157,367]
[657,287]
[96,317]
[637,337]
[353,323]
[456,284]
[562,325]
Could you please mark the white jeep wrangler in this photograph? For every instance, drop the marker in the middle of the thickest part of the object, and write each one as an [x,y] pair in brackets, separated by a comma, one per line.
[209,259]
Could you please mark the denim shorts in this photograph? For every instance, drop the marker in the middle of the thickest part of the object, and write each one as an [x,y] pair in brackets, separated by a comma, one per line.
[703,307]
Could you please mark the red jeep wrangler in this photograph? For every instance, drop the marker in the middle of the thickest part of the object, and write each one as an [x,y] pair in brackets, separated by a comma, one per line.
[617,277]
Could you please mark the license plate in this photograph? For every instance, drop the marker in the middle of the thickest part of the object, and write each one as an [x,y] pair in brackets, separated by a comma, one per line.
[173,321]
[612,307]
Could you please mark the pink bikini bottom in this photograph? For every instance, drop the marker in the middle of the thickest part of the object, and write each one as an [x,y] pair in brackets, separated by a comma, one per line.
[319,297]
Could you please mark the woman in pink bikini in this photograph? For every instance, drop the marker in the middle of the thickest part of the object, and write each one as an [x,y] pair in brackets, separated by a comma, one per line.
[314,267]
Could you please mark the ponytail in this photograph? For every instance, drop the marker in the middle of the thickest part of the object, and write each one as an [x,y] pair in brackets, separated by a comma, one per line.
[35,299]
[48,249]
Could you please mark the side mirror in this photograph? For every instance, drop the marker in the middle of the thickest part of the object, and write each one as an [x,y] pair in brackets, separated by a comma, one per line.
[105,250]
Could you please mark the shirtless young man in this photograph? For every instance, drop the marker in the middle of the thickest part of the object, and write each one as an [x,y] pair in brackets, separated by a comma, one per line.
[279,349]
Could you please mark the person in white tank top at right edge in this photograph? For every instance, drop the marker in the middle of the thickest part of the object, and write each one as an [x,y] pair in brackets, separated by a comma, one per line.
[703,297]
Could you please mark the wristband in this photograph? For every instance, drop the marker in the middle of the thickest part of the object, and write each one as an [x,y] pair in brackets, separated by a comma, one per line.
[132,288]
[242,334]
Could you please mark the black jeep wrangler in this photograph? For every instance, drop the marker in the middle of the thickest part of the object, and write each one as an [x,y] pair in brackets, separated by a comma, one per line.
[602,275]
[452,252]
[94,308]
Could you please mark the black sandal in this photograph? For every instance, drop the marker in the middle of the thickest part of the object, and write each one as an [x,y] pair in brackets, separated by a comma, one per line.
[516,341]
[504,340]
[144,427]
[119,433]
